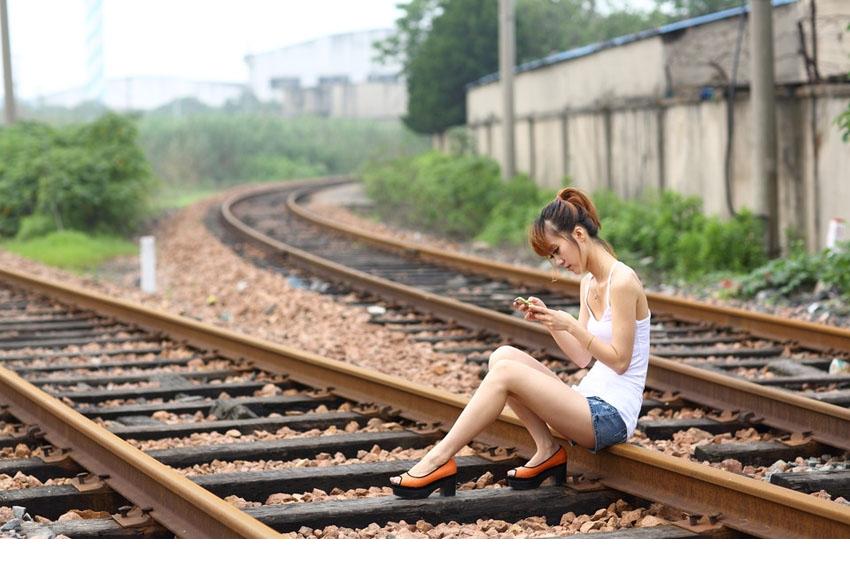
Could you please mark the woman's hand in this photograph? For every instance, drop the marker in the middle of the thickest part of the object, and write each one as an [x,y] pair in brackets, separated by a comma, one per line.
[526,308]
[553,319]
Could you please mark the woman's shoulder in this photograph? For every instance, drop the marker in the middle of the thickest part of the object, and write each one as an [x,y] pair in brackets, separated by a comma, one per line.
[626,278]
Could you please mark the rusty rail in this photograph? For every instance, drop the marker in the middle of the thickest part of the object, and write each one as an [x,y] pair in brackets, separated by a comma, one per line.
[167,496]
[747,505]
[813,335]
[827,423]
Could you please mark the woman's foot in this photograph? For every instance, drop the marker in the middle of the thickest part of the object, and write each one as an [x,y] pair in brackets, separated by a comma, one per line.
[411,484]
[533,474]
[539,457]
[425,466]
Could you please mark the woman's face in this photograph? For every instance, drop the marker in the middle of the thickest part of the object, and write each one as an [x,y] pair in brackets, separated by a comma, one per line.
[565,253]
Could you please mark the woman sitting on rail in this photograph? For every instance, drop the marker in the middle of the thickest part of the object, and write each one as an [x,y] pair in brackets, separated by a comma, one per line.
[613,327]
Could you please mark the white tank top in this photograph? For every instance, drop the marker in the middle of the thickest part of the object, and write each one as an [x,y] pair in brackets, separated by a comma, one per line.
[623,391]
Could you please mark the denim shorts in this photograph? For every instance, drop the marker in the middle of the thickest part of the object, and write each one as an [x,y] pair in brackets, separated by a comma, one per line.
[608,427]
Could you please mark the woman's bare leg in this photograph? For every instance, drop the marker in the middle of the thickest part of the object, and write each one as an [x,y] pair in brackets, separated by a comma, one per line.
[544,441]
[552,401]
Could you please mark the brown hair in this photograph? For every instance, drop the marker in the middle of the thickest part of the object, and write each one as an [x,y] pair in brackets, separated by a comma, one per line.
[570,208]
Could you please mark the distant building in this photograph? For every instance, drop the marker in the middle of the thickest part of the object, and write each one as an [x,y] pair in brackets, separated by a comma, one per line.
[146,93]
[330,76]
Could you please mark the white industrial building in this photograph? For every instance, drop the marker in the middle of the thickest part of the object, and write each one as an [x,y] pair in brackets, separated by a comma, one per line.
[335,75]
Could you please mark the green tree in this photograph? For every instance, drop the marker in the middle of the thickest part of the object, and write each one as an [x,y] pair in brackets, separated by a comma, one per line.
[411,30]
[461,46]
[442,45]
[91,177]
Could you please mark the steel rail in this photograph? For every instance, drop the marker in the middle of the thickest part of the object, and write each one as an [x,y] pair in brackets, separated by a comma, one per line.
[827,423]
[170,498]
[747,505]
[812,335]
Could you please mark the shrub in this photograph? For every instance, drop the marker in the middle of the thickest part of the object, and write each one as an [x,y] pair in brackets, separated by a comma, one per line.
[669,232]
[23,148]
[452,196]
[520,203]
[35,225]
[800,272]
[91,177]
[464,197]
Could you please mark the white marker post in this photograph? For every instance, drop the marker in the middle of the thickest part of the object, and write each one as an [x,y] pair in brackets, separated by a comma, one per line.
[147,254]
[836,232]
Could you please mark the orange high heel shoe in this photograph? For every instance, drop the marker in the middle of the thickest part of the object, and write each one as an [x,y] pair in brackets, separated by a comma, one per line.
[525,477]
[443,477]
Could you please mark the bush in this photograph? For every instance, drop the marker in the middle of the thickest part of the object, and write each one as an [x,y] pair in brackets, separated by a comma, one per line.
[464,197]
[35,225]
[669,232]
[800,272]
[509,221]
[451,196]
[91,177]
[23,148]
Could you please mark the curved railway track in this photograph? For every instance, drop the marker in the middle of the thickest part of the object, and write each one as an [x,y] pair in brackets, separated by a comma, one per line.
[187,363]
[151,402]
[708,379]
[785,385]
[125,388]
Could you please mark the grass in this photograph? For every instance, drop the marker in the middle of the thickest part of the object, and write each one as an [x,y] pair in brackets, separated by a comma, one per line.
[177,198]
[71,250]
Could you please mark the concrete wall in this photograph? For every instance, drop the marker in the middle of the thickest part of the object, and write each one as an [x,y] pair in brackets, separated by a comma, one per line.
[638,116]
[368,100]
[681,145]
[833,39]
[549,160]
[827,162]
[606,75]
[634,150]
[703,55]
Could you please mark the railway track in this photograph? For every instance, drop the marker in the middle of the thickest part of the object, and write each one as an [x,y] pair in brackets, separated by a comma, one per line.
[695,351]
[807,423]
[182,419]
[148,434]
[166,391]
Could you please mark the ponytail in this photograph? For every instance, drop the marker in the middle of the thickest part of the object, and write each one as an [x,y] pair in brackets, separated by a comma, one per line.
[570,208]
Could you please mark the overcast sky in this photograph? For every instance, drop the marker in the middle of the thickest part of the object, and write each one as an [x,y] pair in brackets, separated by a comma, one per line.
[195,39]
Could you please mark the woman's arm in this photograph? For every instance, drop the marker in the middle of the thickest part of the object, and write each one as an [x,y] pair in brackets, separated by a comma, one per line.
[569,344]
[624,294]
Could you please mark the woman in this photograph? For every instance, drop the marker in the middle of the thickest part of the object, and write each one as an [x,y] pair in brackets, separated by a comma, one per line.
[613,328]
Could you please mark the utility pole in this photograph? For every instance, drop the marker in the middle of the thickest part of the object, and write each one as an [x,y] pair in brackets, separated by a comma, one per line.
[8,89]
[507,59]
[763,96]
